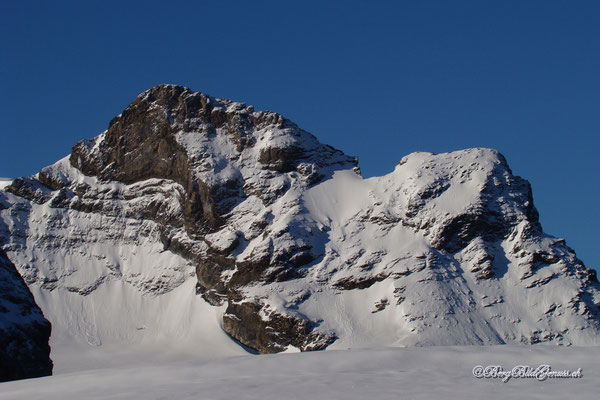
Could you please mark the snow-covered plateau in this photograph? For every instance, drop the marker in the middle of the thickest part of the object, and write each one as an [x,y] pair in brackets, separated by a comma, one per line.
[387,373]
[195,231]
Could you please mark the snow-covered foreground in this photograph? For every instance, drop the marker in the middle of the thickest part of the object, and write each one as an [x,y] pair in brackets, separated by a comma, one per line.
[386,373]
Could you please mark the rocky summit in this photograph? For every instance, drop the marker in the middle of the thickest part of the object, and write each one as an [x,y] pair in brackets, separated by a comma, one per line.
[189,199]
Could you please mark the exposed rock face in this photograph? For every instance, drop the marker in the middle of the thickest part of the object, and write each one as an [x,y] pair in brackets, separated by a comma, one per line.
[24,332]
[285,233]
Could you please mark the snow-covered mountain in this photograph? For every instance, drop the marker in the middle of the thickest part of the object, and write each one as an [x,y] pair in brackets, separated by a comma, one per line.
[194,219]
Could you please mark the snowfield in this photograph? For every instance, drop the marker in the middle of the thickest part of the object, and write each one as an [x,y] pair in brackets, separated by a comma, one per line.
[384,373]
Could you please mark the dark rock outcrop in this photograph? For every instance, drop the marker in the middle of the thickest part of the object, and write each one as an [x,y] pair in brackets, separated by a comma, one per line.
[273,332]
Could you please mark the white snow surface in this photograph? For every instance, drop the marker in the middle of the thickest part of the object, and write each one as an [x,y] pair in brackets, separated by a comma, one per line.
[382,373]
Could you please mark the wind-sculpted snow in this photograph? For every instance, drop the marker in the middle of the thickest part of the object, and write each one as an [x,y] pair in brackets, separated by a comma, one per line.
[285,239]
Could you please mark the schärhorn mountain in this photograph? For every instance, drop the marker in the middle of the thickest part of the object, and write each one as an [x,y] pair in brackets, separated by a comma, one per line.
[198,222]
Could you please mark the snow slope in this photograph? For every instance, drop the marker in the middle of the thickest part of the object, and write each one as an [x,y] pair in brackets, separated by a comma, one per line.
[384,373]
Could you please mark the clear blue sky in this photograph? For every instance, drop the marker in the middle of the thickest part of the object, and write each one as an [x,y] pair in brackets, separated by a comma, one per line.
[376,79]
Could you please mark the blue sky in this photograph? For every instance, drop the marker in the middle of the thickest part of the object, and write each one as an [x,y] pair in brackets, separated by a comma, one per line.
[376,80]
